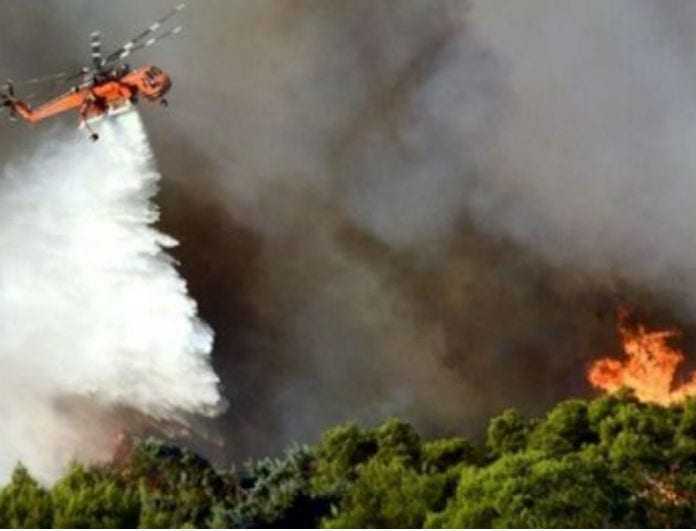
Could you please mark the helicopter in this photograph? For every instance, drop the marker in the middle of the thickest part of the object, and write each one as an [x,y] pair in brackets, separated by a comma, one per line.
[107,87]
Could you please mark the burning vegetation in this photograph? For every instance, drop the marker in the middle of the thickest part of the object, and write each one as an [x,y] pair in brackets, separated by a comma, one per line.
[649,367]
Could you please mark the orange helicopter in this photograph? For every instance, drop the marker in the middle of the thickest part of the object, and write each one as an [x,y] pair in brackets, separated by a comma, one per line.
[107,87]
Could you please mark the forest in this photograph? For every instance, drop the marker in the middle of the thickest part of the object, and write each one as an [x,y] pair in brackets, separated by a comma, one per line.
[611,461]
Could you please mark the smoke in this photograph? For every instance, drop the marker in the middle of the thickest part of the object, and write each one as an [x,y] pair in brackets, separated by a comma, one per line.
[428,209]
[96,325]
[440,204]
[593,165]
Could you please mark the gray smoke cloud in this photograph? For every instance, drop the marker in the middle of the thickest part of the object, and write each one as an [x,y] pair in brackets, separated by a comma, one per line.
[428,209]
[596,146]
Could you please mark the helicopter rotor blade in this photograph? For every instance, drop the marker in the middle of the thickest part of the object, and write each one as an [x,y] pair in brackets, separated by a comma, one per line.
[99,64]
[54,80]
[82,75]
[151,42]
[95,44]
[67,77]
[137,42]
[44,79]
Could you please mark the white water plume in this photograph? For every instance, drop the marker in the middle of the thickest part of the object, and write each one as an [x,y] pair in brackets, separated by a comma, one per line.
[92,309]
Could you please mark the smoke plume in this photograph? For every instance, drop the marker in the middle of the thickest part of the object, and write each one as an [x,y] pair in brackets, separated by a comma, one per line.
[97,328]
[429,209]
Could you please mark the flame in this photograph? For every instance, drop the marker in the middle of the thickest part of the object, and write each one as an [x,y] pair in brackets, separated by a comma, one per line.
[649,366]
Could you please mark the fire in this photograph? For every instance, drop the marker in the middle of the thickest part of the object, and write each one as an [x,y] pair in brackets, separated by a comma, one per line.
[649,366]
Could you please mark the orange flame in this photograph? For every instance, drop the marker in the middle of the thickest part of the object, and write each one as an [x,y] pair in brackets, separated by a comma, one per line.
[648,369]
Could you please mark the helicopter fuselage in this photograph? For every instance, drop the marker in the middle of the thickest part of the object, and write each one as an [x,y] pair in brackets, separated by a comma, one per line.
[102,96]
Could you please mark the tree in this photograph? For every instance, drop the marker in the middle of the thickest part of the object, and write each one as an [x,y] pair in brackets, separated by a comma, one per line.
[24,503]
[565,429]
[639,435]
[394,480]
[530,489]
[442,455]
[685,438]
[508,432]
[387,494]
[398,440]
[176,487]
[338,455]
[275,493]
[94,498]
[608,462]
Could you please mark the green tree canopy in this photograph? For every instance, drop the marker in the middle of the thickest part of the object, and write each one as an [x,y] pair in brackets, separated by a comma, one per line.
[607,462]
